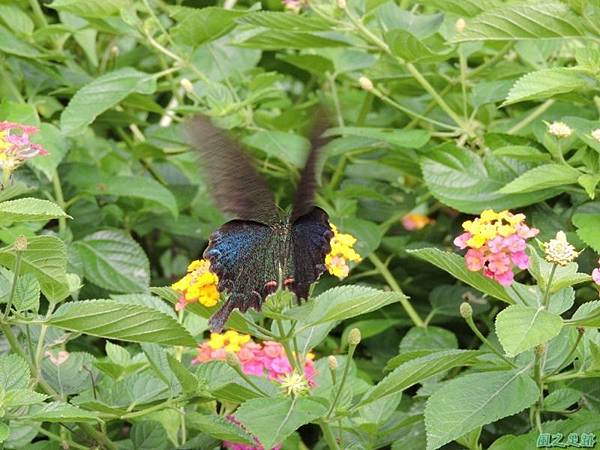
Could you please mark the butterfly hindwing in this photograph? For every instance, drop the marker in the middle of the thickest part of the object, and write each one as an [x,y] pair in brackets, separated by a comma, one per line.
[245,255]
[311,236]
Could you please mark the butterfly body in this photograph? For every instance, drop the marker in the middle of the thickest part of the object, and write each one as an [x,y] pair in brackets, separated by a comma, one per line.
[260,251]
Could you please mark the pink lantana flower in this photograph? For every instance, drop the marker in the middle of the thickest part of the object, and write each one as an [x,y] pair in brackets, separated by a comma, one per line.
[496,242]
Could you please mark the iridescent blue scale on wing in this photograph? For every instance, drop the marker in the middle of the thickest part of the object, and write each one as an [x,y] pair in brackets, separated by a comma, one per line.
[247,257]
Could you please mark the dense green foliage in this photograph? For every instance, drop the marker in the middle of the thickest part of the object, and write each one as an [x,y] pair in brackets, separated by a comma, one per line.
[441,108]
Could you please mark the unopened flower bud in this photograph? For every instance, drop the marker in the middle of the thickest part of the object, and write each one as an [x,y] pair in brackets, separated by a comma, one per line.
[466,311]
[354,336]
[559,129]
[187,85]
[341,4]
[21,243]
[460,25]
[539,350]
[332,362]
[232,360]
[114,50]
[365,83]
[596,134]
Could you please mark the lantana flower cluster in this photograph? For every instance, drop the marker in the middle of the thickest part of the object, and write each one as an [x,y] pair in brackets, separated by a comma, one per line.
[496,242]
[266,359]
[258,359]
[199,285]
[342,252]
[16,147]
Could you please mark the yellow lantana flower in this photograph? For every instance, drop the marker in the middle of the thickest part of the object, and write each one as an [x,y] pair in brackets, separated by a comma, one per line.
[341,253]
[231,341]
[199,285]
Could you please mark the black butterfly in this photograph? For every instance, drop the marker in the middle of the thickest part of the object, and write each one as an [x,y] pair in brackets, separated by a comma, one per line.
[262,247]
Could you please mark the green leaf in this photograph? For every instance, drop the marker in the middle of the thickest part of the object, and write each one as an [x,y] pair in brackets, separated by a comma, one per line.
[11,45]
[16,19]
[535,20]
[587,227]
[542,177]
[27,293]
[23,397]
[97,9]
[411,49]
[218,427]
[145,188]
[271,420]
[113,260]
[547,83]
[61,412]
[587,315]
[46,259]
[277,39]
[418,369]
[463,8]
[589,183]
[149,435]
[396,137]
[284,21]
[474,400]
[315,64]
[461,179]
[520,328]
[288,147]
[29,210]
[126,322]
[101,94]
[455,265]
[342,303]
[188,381]
[52,140]
[197,26]
[14,372]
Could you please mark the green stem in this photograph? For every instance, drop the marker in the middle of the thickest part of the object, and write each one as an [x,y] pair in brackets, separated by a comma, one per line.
[548,286]
[248,380]
[483,339]
[61,440]
[538,376]
[407,111]
[101,438]
[438,99]
[329,436]
[13,287]
[351,349]
[410,67]
[38,14]
[60,199]
[385,273]
[283,339]
[490,62]
[531,117]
